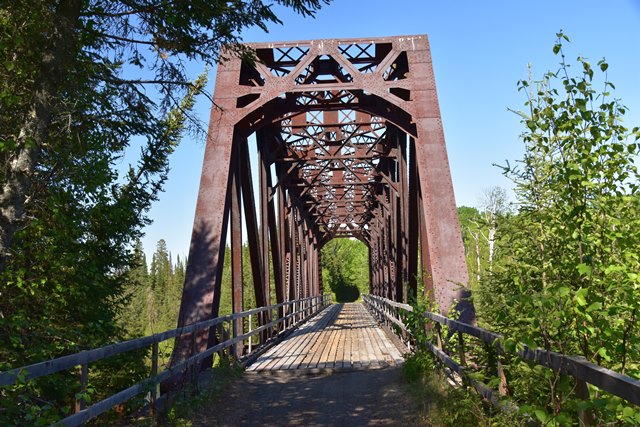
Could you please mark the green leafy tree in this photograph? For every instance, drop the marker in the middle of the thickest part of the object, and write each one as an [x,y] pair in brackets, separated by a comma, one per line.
[569,281]
[52,52]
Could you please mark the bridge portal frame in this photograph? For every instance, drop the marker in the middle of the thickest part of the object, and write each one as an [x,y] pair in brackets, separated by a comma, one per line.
[406,206]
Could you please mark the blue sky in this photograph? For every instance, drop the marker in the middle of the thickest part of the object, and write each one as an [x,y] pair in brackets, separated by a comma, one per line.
[479,51]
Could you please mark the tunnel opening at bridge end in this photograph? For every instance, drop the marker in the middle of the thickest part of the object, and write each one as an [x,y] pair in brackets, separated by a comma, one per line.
[345,269]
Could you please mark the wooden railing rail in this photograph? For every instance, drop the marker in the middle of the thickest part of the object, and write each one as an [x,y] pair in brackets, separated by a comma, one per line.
[292,314]
[577,367]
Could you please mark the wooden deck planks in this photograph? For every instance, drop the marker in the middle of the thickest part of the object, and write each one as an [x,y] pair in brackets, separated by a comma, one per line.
[296,345]
[344,336]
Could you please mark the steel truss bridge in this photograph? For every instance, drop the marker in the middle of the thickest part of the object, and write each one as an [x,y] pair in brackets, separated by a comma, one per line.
[350,144]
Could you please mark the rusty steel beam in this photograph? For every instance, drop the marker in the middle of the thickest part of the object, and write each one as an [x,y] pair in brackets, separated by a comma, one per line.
[237,292]
[251,222]
[413,224]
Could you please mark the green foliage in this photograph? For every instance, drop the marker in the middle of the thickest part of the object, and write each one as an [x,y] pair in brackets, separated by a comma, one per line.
[569,276]
[446,405]
[345,268]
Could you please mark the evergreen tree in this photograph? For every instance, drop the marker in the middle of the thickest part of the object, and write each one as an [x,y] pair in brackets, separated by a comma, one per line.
[161,276]
[133,318]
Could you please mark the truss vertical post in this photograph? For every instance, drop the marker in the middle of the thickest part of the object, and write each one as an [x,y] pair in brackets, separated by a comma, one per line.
[403,221]
[203,276]
[396,253]
[389,261]
[283,243]
[263,165]
[237,294]
[413,222]
[251,222]
[292,251]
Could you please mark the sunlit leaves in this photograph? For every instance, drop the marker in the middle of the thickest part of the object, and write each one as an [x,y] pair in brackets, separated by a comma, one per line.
[572,264]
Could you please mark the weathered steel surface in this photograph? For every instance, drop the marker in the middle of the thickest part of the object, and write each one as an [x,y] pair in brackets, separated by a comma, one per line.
[352,129]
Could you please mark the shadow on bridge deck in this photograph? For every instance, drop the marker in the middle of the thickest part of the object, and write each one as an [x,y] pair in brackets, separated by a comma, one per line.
[358,398]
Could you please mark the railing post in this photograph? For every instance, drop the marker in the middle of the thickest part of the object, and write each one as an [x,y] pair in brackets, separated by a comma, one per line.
[584,415]
[287,312]
[404,332]
[235,348]
[83,374]
[194,351]
[250,335]
[263,321]
[461,350]
[155,391]
[503,389]
[438,328]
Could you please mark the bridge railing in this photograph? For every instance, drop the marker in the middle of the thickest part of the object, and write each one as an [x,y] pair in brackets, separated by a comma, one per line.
[282,317]
[584,372]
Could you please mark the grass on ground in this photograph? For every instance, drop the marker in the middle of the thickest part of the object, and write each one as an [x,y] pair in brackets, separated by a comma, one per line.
[446,406]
